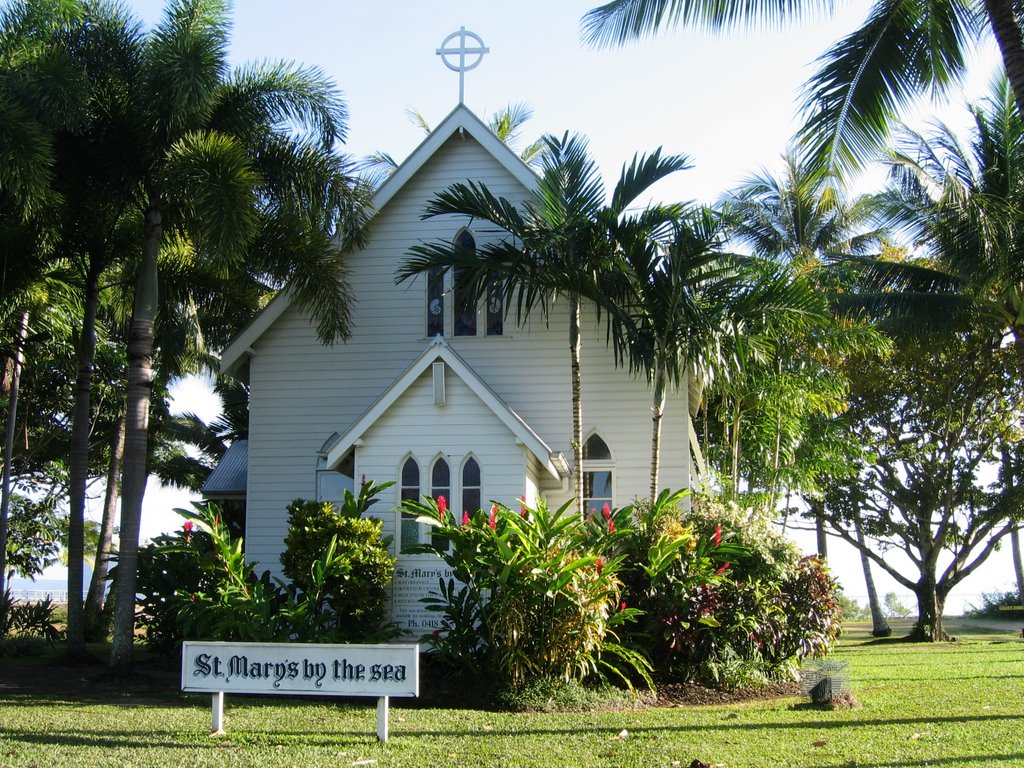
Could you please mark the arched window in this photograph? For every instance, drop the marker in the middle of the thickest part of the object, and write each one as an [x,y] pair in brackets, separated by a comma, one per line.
[464,309]
[471,486]
[495,308]
[409,489]
[597,474]
[441,485]
[435,303]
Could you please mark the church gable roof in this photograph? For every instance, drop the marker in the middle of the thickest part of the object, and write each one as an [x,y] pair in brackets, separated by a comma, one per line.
[439,351]
[459,121]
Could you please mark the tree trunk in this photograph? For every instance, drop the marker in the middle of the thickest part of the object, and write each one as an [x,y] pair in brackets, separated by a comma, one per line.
[1007,32]
[577,401]
[930,603]
[12,419]
[879,625]
[1018,564]
[657,414]
[81,428]
[94,600]
[821,538]
[140,384]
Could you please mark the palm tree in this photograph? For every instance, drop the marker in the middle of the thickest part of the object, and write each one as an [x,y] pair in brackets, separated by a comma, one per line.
[238,168]
[687,302]
[801,219]
[962,206]
[901,51]
[562,242]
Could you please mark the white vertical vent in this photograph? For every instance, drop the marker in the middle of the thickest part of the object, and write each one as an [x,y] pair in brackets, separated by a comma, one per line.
[439,394]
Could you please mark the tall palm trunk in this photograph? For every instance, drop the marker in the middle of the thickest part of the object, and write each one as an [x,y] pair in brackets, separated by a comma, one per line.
[1006,30]
[12,420]
[577,401]
[140,384]
[657,414]
[879,625]
[81,428]
[94,600]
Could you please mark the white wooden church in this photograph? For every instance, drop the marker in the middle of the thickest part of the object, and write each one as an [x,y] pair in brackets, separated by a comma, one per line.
[442,397]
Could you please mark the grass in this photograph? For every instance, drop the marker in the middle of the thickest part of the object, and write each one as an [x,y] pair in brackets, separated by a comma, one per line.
[955,704]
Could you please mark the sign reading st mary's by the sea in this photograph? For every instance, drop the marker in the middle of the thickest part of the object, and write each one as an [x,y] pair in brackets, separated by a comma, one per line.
[300,668]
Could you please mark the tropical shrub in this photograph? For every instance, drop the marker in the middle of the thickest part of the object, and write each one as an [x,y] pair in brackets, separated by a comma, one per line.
[535,595]
[197,584]
[354,588]
[726,600]
[26,620]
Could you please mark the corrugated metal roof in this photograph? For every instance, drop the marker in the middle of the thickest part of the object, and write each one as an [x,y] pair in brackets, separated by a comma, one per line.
[229,476]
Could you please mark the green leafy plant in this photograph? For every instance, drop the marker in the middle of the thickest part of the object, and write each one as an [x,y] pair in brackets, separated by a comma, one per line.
[352,582]
[539,589]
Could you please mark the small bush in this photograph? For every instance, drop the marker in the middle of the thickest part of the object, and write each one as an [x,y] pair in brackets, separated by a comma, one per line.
[556,695]
[354,588]
[25,645]
[1004,605]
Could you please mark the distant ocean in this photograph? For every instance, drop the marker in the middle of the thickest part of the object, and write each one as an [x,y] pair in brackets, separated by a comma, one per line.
[40,589]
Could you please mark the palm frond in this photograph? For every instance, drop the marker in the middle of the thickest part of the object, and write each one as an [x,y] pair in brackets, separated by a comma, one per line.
[902,50]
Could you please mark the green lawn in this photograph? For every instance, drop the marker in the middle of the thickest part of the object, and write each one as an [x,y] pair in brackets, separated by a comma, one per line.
[957,704]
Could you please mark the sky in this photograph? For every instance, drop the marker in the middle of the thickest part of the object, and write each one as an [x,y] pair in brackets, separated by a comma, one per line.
[728,102]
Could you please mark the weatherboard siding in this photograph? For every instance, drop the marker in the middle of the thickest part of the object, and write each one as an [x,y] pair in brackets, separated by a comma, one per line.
[302,392]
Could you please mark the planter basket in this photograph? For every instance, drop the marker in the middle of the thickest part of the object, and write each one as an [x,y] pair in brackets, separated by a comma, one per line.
[825,681]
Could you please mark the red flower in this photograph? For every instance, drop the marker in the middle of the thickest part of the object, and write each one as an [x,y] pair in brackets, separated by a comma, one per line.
[465,518]
[599,564]
[622,605]
[522,507]
[442,506]
[216,521]
[718,535]
[437,633]
[188,526]
[492,521]
[722,570]
[607,511]
[611,525]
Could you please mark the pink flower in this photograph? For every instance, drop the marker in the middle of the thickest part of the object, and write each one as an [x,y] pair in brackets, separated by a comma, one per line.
[442,506]
[492,521]
[465,518]
[607,512]
[611,525]
[718,535]
[599,564]
[522,507]
[188,526]
[722,570]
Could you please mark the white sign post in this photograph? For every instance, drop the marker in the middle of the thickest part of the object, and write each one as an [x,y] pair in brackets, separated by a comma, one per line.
[305,669]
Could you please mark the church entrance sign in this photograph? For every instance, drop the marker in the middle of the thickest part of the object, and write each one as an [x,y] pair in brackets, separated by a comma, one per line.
[303,669]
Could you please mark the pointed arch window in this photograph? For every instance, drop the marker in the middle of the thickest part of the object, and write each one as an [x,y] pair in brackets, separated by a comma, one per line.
[598,474]
[464,309]
[435,303]
[441,485]
[471,500]
[409,489]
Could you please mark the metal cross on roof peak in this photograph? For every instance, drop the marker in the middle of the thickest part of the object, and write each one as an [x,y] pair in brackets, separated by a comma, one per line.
[460,53]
